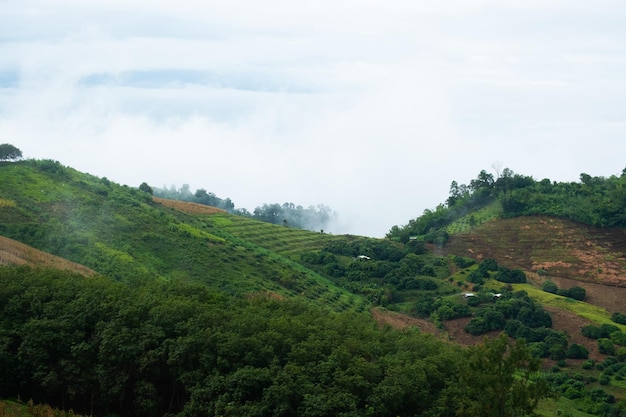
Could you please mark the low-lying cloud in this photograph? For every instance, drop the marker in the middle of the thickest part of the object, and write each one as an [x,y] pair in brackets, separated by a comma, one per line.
[371,110]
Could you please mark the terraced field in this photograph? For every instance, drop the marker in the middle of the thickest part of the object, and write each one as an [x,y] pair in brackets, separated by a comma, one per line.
[285,245]
[278,245]
[287,241]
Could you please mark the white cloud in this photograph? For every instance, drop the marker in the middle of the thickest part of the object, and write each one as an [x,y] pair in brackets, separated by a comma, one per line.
[371,107]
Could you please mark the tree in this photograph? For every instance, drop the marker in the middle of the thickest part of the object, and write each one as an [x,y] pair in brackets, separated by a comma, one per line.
[145,188]
[549,286]
[9,152]
[605,346]
[577,293]
[500,379]
[577,351]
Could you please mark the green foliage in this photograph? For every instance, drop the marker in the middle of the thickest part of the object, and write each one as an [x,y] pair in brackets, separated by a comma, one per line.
[577,293]
[144,187]
[549,286]
[577,351]
[501,378]
[520,317]
[597,332]
[462,262]
[606,346]
[619,318]
[510,276]
[596,201]
[9,152]
[148,348]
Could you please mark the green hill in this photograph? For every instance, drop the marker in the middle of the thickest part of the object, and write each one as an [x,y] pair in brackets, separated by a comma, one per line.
[194,311]
[122,233]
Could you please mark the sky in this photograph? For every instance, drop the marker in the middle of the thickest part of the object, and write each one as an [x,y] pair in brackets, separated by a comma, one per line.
[371,108]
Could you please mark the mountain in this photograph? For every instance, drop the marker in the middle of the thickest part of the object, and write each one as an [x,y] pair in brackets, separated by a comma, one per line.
[145,306]
[122,232]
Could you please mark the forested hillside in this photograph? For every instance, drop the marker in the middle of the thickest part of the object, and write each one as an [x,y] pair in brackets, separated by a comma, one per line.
[595,201]
[190,310]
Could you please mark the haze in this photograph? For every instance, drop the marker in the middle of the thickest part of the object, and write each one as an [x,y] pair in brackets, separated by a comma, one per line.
[371,108]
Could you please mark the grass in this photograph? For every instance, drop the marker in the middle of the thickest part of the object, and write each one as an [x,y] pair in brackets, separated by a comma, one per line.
[465,223]
[591,312]
[563,407]
[14,409]
[121,232]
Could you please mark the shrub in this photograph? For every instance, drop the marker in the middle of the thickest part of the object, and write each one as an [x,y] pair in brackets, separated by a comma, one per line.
[549,286]
[591,331]
[605,346]
[619,318]
[511,276]
[462,262]
[577,351]
[619,338]
[577,293]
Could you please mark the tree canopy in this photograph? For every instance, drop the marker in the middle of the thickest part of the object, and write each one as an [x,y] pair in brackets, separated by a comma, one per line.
[500,378]
[9,152]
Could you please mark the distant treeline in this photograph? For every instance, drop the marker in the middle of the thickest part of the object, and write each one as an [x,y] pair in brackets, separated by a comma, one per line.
[314,218]
[595,201]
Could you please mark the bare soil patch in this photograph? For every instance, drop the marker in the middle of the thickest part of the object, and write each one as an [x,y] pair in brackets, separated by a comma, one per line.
[188,207]
[571,324]
[562,248]
[402,321]
[13,252]
[454,329]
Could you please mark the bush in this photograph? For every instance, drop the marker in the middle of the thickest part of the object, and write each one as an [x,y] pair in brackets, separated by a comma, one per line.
[605,346]
[576,351]
[577,293]
[462,262]
[549,286]
[619,318]
[592,332]
[619,338]
[510,276]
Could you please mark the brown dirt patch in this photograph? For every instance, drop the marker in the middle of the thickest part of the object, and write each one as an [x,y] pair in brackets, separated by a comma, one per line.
[188,207]
[13,252]
[402,321]
[571,324]
[563,248]
[454,329]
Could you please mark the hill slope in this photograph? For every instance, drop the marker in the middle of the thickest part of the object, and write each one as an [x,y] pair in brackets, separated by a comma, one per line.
[122,233]
[558,248]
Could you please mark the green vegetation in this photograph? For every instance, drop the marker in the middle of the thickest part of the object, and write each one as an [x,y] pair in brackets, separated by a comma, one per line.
[577,293]
[501,379]
[148,347]
[595,201]
[203,312]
